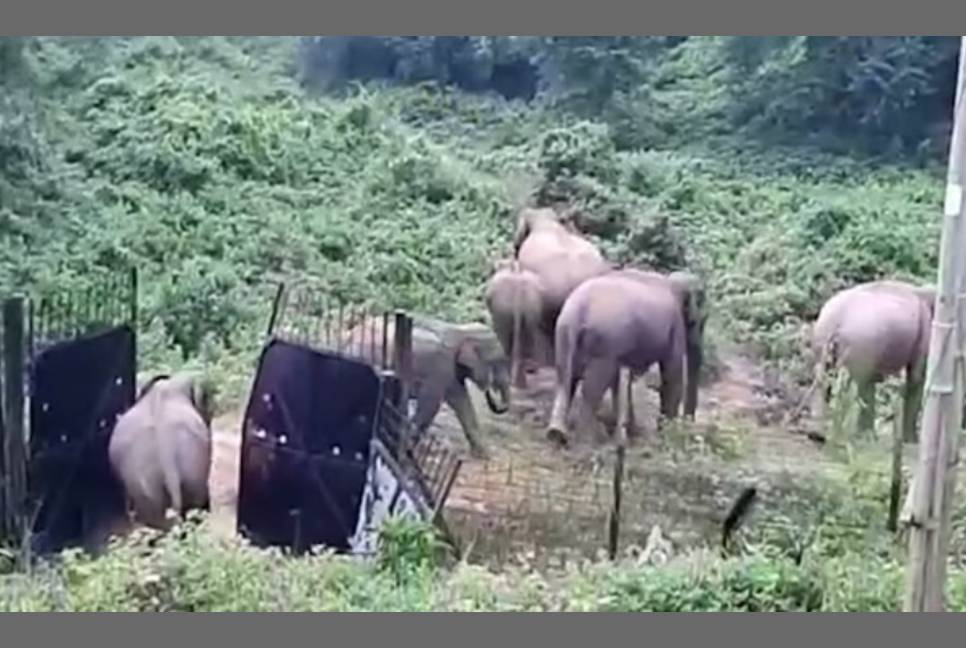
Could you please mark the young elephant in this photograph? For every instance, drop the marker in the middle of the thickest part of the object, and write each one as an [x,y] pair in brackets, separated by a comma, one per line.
[874,330]
[445,356]
[633,319]
[515,301]
[160,449]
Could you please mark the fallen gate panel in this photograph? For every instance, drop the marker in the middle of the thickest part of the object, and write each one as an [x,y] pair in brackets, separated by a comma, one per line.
[305,447]
[78,389]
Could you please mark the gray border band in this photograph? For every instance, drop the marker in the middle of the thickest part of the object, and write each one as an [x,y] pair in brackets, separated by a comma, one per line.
[494,17]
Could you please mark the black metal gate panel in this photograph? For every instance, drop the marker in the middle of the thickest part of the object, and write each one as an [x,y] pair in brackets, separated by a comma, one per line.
[305,448]
[78,388]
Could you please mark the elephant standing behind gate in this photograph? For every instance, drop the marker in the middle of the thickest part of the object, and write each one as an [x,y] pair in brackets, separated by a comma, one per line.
[445,356]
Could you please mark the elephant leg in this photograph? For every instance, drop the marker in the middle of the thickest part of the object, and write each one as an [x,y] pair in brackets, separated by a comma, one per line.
[459,400]
[562,400]
[820,394]
[598,377]
[428,402]
[150,511]
[672,386]
[911,403]
[866,389]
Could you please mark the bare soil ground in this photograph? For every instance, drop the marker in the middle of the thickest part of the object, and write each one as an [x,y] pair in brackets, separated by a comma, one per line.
[531,498]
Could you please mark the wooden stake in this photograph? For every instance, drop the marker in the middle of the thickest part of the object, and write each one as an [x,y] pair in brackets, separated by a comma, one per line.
[934,485]
[613,535]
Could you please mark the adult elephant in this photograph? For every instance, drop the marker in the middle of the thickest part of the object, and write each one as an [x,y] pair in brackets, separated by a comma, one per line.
[629,318]
[160,448]
[514,298]
[558,255]
[874,330]
[446,356]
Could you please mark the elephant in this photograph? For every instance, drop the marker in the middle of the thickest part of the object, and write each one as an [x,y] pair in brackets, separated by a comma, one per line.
[558,255]
[522,338]
[874,330]
[160,448]
[445,356]
[629,318]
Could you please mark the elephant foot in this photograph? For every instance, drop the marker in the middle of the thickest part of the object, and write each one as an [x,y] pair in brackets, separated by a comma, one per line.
[557,437]
[479,453]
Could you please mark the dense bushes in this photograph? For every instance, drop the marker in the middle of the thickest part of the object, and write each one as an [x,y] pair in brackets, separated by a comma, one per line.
[190,570]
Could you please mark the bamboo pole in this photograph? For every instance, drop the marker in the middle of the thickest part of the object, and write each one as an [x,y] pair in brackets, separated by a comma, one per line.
[934,486]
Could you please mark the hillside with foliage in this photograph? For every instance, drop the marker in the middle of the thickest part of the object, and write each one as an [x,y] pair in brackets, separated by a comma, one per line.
[388,170]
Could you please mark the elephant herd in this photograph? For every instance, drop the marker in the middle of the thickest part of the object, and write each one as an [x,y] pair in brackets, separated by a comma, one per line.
[557,303]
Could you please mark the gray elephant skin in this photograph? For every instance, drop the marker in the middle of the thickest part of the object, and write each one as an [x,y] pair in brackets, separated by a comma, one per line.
[160,448]
[445,357]
[558,255]
[634,319]
[874,330]
[510,293]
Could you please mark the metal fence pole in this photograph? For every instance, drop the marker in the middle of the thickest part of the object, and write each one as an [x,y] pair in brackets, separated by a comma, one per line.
[15,455]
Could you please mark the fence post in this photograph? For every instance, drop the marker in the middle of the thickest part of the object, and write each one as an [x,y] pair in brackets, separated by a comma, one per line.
[621,397]
[934,484]
[15,455]
[895,489]
[402,365]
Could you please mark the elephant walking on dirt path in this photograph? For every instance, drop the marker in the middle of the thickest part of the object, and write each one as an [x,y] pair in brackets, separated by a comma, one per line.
[874,330]
[160,448]
[629,318]
[560,258]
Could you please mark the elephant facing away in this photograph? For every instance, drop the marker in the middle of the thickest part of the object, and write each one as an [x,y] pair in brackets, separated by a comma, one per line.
[560,257]
[514,298]
[160,448]
[874,330]
[629,318]
[445,357]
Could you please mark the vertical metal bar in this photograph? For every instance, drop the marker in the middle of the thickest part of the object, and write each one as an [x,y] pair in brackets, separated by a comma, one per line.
[14,352]
[384,364]
[276,308]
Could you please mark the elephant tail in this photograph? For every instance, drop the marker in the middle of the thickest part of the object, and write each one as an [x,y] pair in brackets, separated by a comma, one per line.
[166,447]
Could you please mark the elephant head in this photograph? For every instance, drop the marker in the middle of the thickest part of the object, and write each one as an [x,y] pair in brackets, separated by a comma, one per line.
[481,359]
[199,391]
[691,293]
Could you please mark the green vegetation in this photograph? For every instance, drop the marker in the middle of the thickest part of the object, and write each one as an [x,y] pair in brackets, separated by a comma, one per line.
[191,570]
[779,168]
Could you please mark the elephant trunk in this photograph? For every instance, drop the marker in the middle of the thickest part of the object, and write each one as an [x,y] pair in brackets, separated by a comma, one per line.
[499,404]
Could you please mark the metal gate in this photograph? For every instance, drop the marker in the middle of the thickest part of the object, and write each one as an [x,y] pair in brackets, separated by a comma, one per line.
[80,352]
[323,438]
[305,447]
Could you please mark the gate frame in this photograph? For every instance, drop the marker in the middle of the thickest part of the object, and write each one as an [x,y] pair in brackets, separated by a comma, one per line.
[406,461]
[24,328]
